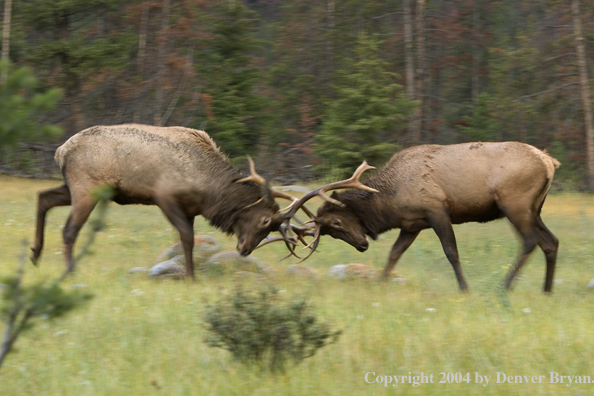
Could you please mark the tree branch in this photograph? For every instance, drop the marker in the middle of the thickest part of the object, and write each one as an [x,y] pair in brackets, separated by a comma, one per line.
[547,91]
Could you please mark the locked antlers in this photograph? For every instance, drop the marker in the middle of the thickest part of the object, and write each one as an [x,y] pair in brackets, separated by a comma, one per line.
[352,182]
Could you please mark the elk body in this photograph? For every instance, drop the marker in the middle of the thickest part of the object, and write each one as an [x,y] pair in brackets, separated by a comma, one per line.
[180,170]
[434,186]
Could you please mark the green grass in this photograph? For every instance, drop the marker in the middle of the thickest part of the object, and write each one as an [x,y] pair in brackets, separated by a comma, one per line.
[143,337]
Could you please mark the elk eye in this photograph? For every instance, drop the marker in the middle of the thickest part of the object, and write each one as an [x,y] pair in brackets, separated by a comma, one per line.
[335,223]
[265,221]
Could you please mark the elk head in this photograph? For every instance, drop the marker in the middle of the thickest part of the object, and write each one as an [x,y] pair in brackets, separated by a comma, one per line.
[341,223]
[334,218]
[258,219]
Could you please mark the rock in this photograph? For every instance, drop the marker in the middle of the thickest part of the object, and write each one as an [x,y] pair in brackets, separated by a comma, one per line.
[399,280]
[204,247]
[353,271]
[301,271]
[591,283]
[168,269]
[231,262]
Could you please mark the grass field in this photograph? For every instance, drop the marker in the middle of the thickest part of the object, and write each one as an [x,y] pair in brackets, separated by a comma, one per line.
[143,337]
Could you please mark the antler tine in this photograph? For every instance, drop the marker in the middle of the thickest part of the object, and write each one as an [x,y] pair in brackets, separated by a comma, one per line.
[302,233]
[288,241]
[270,240]
[315,243]
[280,194]
[254,176]
[352,182]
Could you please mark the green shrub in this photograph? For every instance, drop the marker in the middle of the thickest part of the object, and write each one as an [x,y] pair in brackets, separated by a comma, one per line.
[258,328]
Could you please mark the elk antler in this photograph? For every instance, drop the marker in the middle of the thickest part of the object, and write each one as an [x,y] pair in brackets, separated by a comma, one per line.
[294,200]
[255,177]
[352,182]
[291,241]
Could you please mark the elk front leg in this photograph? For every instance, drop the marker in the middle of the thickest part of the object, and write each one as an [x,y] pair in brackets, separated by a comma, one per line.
[405,239]
[184,224]
[442,226]
[46,200]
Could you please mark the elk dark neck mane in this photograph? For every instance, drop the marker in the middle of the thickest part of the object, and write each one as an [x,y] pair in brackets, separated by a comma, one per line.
[371,208]
[227,205]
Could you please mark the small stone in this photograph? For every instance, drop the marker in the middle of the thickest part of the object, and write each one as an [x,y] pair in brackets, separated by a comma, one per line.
[591,283]
[337,271]
[301,271]
[353,271]
[169,269]
[399,280]
[232,262]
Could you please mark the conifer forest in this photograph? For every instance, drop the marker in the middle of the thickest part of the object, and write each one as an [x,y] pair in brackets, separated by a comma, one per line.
[308,88]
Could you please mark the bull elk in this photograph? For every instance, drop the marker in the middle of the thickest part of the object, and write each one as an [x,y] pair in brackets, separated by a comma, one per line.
[180,170]
[434,186]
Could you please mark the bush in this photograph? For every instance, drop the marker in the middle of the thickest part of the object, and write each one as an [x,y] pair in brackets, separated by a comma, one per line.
[257,328]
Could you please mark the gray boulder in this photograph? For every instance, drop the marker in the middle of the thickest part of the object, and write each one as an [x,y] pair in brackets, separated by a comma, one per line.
[225,263]
[168,269]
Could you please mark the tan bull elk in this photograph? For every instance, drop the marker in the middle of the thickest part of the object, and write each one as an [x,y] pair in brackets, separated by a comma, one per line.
[434,186]
[180,170]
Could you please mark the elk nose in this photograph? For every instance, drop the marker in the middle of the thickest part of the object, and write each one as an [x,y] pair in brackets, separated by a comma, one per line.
[362,248]
[243,249]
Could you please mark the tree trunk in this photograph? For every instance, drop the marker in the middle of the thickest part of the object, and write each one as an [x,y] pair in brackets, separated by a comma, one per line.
[141,60]
[161,67]
[409,59]
[6,37]
[475,53]
[585,90]
[330,38]
[420,73]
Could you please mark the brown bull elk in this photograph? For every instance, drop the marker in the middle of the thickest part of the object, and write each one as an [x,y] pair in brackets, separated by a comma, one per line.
[180,170]
[434,186]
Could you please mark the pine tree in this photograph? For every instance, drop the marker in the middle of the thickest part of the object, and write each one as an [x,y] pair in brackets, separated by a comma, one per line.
[72,42]
[22,104]
[233,113]
[370,107]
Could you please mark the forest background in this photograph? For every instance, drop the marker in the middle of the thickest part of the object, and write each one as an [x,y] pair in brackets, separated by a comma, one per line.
[309,88]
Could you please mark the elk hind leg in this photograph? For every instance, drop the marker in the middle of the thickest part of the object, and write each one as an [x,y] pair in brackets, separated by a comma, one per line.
[549,245]
[81,209]
[524,222]
[405,239]
[46,200]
